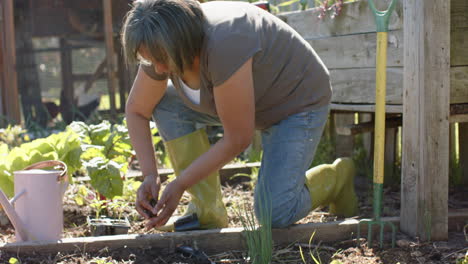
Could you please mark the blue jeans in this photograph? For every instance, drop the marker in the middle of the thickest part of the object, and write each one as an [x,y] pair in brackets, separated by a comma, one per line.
[288,150]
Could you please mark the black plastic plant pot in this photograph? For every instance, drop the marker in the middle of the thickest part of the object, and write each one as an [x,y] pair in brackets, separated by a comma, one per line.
[105,226]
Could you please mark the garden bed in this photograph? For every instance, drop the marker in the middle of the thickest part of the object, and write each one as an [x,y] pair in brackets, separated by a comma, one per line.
[333,237]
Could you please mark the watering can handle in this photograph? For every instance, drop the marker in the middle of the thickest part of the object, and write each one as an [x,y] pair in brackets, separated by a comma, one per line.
[51,163]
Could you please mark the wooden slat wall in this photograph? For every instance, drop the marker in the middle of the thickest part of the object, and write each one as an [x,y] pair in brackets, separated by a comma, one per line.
[347,45]
[425,142]
[355,18]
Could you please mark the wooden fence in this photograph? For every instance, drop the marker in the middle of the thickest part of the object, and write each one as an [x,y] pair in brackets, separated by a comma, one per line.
[419,71]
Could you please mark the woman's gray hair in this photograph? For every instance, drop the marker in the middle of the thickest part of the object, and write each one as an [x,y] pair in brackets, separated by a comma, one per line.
[171,30]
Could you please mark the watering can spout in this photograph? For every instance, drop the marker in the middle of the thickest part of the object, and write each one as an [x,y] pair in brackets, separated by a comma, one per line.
[13,216]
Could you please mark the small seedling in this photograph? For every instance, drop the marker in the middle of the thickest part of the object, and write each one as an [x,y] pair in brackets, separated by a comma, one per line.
[118,207]
[98,205]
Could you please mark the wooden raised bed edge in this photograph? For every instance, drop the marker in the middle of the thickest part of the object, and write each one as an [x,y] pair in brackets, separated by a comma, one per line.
[213,241]
[225,173]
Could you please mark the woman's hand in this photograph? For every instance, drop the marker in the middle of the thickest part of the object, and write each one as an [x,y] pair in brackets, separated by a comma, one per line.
[168,203]
[148,191]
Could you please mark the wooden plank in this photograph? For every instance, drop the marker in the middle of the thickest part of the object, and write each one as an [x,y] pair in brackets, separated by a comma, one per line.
[457,109]
[212,241]
[364,127]
[10,75]
[358,51]
[344,144]
[424,196]
[358,85]
[367,138]
[458,112]
[463,118]
[364,108]
[459,84]
[459,47]
[459,14]
[355,17]
[110,52]
[463,150]
[390,175]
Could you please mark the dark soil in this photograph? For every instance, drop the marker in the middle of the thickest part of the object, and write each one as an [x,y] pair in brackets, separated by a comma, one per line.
[352,251]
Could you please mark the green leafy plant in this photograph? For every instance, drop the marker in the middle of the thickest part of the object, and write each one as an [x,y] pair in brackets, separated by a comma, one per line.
[99,206]
[13,136]
[106,153]
[130,187]
[64,146]
[117,207]
[84,195]
[105,176]
[105,140]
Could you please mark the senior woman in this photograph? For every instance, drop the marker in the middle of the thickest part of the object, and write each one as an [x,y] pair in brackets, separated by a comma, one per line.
[236,65]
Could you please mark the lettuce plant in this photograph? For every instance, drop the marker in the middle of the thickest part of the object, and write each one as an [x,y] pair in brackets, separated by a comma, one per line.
[64,146]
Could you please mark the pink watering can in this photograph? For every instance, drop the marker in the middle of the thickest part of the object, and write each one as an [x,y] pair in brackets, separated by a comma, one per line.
[38,212]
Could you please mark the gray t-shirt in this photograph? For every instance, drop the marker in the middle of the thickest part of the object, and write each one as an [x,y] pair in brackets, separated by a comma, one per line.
[288,75]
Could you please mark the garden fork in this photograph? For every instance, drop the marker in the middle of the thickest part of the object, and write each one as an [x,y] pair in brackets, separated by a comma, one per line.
[381,20]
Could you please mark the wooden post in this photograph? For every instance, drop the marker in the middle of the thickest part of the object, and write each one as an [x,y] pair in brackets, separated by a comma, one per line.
[124,77]
[463,151]
[367,138]
[390,156]
[110,51]
[67,99]
[426,94]
[2,68]
[329,129]
[10,81]
[452,152]
[344,144]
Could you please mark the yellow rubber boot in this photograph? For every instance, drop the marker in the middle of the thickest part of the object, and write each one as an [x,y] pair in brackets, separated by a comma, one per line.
[206,195]
[333,185]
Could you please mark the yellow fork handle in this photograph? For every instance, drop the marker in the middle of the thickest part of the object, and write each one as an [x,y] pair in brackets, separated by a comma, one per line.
[380,92]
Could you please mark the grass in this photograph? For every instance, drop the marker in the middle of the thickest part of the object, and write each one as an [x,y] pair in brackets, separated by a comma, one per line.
[316,252]
[258,234]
